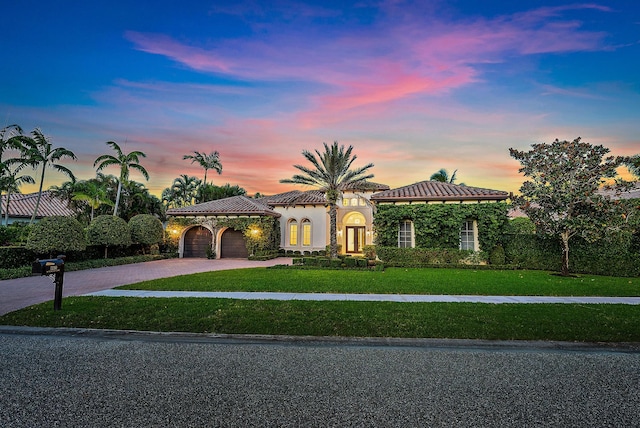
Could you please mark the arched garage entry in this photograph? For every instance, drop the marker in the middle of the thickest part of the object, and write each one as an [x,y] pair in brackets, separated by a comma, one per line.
[196,242]
[232,245]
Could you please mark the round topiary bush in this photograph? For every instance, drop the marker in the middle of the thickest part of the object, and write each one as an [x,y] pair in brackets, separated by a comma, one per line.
[56,235]
[146,230]
[108,231]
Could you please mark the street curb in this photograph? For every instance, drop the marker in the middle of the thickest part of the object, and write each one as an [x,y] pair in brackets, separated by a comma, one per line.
[426,343]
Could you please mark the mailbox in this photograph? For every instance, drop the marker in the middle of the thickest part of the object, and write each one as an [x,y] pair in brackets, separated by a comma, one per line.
[47,266]
[55,268]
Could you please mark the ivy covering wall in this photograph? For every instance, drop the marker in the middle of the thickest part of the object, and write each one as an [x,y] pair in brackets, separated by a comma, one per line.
[261,234]
[438,225]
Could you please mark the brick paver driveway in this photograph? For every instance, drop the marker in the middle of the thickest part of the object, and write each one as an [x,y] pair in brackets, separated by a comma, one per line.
[22,292]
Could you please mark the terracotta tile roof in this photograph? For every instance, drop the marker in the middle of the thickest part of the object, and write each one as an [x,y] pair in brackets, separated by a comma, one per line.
[436,191]
[235,205]
[22,206]
[364,186]
[296,197]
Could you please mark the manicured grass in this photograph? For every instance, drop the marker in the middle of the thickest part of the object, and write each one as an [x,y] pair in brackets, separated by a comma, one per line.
[399,281]
[589,323]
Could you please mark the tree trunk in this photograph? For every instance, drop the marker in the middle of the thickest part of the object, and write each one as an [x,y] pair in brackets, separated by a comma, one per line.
[115,208]
[333,214]
[105,251]
[35,211]
[6,216]
[565,253]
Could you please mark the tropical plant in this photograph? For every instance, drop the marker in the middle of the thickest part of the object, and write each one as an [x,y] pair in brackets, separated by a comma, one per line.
[12,182]
[562,197]
[206,161]
[138,200]
[38,151]
[56,234]
[126,162]
[93,195]
[443,177]
[211,192]
[108,231]
[331,170]
[184,190]
[8,141]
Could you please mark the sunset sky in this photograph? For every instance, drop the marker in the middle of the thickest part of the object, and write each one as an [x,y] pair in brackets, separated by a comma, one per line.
[413,86]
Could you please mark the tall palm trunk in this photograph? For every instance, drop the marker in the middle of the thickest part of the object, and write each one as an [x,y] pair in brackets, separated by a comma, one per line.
[115,208]
[333,241]
[565,253]
[35,211]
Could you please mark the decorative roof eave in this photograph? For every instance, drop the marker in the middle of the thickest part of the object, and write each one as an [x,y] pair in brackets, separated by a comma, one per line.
[233,206]
[439,198]
[223,214]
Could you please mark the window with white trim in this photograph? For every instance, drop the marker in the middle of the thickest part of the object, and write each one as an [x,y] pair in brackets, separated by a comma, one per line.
[293,233]
[405,234]
[306,232]
[468,236]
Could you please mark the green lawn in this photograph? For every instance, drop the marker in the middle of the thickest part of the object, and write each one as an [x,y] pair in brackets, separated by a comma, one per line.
[399,281]
[570,322]
[586,323]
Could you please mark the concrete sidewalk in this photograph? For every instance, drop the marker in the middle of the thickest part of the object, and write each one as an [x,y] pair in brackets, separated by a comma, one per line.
[370,297]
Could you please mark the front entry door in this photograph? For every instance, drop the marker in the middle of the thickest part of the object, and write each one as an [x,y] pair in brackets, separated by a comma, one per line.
[355,239]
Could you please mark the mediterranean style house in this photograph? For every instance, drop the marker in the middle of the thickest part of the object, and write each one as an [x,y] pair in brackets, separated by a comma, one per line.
[298,220]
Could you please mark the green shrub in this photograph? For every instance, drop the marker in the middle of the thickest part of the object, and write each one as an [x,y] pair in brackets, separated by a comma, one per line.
[369,251]
[56,235]
[108,231]
[417,257]
[497,256]
[297,260]
[324,262]
[310,261]
[335,263]
[13,257]
[146,230]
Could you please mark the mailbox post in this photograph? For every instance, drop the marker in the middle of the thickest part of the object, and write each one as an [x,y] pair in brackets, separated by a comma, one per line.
[55,269]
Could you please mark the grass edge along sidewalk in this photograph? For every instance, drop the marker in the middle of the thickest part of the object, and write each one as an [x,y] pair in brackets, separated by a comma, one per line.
[555,322]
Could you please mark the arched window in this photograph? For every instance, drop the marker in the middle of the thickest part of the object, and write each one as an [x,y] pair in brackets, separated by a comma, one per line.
[405,234]
[306,232]
[293,233]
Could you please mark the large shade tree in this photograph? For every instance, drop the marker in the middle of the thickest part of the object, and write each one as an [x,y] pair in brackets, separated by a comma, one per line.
[39,151]
[563,196]
[126,162]
[206,161]
[330,171]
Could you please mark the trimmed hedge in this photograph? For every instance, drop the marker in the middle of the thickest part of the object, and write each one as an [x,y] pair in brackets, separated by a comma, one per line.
[612,256]
[13,257]
[417,257]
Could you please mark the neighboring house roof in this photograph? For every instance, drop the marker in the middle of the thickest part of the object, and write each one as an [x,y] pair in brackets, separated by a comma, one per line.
[22,206]
[296,197]
[426,191]
[235,205]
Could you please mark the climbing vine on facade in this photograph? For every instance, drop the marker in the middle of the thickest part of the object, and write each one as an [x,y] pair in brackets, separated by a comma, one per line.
[438,225]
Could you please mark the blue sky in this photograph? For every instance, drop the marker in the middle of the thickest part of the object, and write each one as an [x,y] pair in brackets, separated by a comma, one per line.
[413,86]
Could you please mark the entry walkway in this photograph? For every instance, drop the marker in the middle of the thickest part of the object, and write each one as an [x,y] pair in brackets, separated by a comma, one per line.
[243,295]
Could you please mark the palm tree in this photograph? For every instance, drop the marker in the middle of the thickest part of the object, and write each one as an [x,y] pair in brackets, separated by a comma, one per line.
[185,188]
[443,177]
[39,151]
[126,162]
[94,195]
[331,171]
[11,183]
[8,141]
[206,161]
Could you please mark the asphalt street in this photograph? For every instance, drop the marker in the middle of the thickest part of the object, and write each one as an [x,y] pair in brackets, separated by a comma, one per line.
[72,378]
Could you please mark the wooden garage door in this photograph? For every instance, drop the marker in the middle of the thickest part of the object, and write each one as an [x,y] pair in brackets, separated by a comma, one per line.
[232,245]
[196,241]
